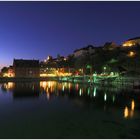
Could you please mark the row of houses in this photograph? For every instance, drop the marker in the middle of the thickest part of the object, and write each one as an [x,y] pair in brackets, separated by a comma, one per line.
[107,46]
[22,68]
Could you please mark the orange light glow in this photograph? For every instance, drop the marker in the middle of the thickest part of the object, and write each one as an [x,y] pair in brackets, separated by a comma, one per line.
[44,84]
[126,112]
[131,54]
[55,74]
[69,85]
[48,86]
[10,85]
[131,113]
[128,44]
[132,105]
[8,74]
[47,75]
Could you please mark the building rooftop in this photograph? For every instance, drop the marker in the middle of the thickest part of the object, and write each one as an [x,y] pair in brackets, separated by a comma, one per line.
[26,63]
[109,43]
[85,48]
[133,38]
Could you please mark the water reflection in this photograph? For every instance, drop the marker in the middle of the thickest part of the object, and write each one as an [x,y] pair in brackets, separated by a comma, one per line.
[82,94]
[129,112]
[105,97]
[9,86]
[94,92]
[52,86]
[26,89]
[89,90]
[132,105]
[113,98]
[77,86]
[63,88]
[126,112]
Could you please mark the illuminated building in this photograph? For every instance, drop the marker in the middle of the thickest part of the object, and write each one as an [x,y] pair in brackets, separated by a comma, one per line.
[49,58]
[54,67]
[11,72]
[131,42]
[26,68]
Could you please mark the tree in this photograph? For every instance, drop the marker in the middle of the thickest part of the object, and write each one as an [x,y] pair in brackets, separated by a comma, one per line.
[4,70]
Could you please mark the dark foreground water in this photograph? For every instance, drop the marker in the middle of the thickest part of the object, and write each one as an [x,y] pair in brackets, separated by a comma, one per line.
[65,110]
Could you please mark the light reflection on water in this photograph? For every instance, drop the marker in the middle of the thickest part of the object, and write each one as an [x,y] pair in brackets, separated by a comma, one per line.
[132,105]
[129,112]
[51,87]
[126,112]
[100,103]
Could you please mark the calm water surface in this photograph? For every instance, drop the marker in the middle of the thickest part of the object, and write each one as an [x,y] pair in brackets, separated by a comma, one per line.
[50,109]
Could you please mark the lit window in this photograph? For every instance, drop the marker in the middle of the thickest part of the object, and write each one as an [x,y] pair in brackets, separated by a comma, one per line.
[128,44]
[131,54]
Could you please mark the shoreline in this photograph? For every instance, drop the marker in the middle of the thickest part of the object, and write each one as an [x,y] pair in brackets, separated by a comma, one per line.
[75,79]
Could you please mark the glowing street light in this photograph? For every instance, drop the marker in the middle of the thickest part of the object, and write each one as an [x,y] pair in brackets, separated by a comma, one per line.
[104,68]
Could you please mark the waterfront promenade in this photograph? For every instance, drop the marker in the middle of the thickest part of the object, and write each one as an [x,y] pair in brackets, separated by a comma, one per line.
[119,81]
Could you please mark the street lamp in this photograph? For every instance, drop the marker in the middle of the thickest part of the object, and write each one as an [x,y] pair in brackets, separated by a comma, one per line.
[104,68]
[90,67]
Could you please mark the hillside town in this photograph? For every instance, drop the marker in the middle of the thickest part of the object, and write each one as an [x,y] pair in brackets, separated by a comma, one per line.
[107,59]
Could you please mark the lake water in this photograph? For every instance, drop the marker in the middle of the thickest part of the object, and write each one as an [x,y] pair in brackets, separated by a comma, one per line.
[49,109]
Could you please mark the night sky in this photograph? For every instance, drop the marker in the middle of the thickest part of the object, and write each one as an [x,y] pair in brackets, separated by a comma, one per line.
[34,30]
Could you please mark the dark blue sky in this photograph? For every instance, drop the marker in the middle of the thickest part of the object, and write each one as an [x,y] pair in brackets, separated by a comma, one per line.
[37,29]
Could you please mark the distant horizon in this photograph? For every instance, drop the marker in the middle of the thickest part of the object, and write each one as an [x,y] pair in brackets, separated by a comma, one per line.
[34,30]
